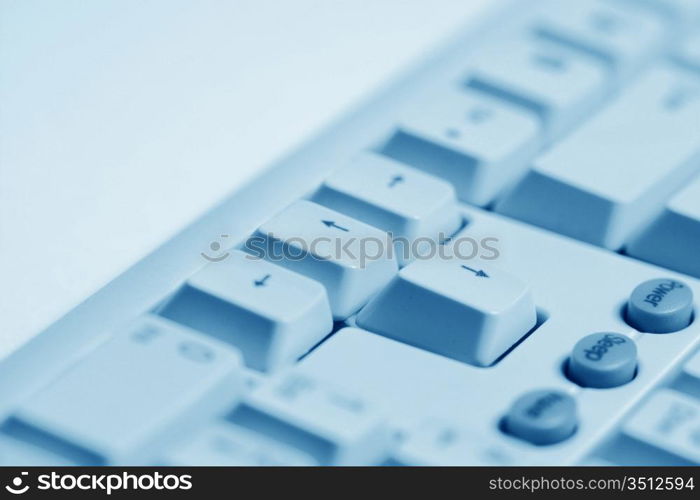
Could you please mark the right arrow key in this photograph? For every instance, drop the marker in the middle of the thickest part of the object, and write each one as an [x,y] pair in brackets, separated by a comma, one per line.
[456,308]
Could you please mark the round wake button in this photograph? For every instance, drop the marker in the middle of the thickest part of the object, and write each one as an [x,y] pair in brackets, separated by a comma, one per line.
[603,360]
[542,417]
[660,306]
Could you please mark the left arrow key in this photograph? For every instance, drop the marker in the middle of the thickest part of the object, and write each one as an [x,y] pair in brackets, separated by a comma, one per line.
[331,223]
[352,259]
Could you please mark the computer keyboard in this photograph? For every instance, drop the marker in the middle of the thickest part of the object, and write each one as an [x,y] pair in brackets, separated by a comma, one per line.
[534,189]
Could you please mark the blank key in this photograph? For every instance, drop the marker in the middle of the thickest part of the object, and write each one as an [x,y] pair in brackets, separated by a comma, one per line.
[475,142]
[673,239]
[608,179]
[623,37]
[149,382]
[557,84]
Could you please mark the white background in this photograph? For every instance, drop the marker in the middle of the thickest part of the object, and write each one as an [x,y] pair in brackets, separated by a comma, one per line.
[122,121]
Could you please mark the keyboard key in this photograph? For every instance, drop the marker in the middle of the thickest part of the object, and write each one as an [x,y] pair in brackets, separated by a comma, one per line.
[673,238]
[670,422]
[542,417]
[327,423]
[477,143]
[603,360]
[223,444]
[271,314]
[466,312]
[611,176]
[660,306]
[557,84]
[350,258]
[623,38]
[394,198]
[689,52]
[131,394]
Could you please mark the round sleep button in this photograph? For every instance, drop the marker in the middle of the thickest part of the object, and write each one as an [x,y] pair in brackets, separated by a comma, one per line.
[542,417]
[660,306]
[603,360]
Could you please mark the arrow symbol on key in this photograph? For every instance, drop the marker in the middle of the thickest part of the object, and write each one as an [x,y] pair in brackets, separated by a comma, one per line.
[397,179]
[261,282]
[479,273]
[330,223]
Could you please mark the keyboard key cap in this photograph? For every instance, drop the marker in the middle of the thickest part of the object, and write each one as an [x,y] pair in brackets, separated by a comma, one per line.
[394,198]
[478,144]
[132,393]
[350,258]
[623,38]
[603,360]
[223,444]
[611,176]
[271,314]
[327,423]
[670,422]
[673,238]
[542,417]
[660,306]
[557,84]
[466,312]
